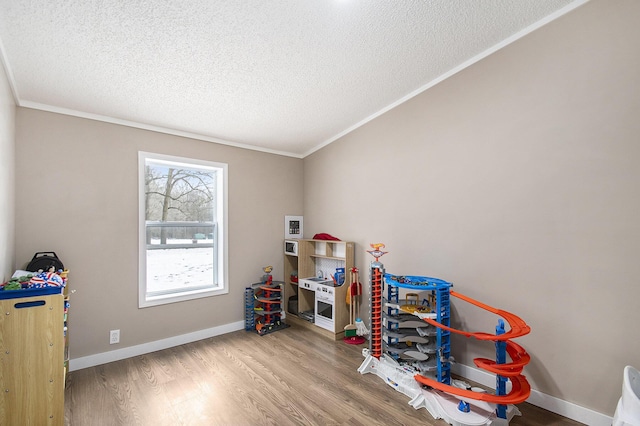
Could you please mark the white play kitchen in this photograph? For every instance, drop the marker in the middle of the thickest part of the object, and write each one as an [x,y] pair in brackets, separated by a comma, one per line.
[314,299]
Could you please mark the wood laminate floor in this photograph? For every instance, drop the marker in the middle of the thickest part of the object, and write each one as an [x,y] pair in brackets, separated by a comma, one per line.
[290,377]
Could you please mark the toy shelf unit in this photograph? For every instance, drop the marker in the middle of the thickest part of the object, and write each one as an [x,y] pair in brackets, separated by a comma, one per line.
[312,271]
[405,337]
[34,356]
[263,307]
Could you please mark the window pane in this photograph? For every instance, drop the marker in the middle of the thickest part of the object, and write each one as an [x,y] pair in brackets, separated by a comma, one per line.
[185,260]
[182,202]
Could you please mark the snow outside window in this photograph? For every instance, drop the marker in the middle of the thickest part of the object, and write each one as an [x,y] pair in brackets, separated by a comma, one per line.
[183,229]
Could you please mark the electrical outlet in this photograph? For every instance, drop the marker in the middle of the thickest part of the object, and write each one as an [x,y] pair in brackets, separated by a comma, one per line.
[114,337]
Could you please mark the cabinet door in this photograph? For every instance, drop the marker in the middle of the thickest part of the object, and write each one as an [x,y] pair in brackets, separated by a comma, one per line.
[32,361]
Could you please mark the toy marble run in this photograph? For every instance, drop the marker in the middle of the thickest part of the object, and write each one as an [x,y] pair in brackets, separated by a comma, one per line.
[414,355]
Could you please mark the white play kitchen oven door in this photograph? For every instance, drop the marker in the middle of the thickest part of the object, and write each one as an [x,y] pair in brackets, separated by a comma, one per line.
[325,307]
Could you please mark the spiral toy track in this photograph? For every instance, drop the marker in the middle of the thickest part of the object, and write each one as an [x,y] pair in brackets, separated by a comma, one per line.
[521,389]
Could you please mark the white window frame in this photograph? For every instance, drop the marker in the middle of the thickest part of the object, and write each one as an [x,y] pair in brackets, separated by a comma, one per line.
[221,282]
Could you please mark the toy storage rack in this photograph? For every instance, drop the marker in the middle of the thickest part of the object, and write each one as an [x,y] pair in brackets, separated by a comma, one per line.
[263,308]
[393,318]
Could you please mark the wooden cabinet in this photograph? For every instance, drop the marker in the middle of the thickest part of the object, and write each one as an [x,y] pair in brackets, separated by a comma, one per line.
[314,257]
[32,360]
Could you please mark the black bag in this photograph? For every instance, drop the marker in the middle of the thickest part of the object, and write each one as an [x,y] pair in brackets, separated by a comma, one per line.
[44,260]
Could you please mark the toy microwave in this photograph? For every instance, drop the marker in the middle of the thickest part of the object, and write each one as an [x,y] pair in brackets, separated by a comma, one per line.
[291,247]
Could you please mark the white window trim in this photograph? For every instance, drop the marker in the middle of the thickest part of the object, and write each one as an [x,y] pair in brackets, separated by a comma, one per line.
[221,229]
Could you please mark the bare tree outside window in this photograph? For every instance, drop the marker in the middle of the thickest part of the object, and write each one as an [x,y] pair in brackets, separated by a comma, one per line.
[178,195]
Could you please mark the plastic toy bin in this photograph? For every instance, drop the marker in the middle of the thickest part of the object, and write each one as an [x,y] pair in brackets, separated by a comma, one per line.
[28,292]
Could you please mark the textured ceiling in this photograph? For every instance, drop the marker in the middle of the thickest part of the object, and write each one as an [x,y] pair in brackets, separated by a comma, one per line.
[283,76]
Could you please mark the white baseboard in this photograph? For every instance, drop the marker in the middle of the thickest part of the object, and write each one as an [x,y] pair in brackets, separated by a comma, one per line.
[145,348]
[539,399]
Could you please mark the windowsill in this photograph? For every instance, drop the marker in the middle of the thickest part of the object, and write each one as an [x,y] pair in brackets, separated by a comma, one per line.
[181,297]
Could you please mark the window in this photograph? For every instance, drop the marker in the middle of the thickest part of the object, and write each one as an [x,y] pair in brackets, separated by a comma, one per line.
[182,229]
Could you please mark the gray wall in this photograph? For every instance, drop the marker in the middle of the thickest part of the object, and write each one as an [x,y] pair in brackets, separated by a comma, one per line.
[518,180]
[7,174]
[78,197]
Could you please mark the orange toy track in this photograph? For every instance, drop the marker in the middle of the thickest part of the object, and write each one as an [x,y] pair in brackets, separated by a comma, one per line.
[519,358]
[519,393]
[518,326]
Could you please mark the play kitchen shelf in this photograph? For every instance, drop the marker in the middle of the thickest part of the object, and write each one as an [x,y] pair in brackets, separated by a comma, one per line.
[318,258]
